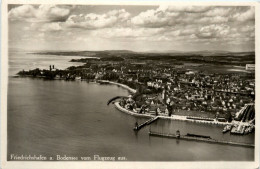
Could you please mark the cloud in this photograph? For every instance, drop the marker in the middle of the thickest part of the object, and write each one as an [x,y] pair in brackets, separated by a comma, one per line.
[247,28]
[189,9]
[214,19]
[201,24]
[42,13]
[175,24]
[174,15]
[169,16]
[96,21]
[41,35]
[248,15]
[127,32]
[219,11]
[44,27]
[51,27]
[213,31]
[152,18]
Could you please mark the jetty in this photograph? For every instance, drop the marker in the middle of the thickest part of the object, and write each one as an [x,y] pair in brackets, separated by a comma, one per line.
[194,137]
[145,123]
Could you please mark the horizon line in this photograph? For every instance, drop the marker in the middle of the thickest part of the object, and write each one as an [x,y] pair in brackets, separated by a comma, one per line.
[144,51]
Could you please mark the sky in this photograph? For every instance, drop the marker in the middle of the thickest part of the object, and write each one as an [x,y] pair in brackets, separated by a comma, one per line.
[136,28]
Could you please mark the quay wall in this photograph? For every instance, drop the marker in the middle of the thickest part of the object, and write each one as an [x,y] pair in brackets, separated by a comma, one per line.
[173,117]
[131,112]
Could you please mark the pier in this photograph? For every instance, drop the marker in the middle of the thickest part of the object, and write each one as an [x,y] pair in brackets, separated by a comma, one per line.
[146,123]
[202,139]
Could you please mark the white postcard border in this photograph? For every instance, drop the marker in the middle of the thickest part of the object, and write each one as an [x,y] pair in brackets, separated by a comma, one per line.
[83,164]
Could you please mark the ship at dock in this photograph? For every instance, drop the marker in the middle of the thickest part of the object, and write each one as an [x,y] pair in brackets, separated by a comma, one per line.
[242,124]
[244,121]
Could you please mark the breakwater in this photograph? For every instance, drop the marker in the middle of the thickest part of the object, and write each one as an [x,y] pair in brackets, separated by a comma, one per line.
[202,139]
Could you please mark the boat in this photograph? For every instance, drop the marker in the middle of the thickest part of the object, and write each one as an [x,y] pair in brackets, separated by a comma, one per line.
[136,126]
[247,130]
[78,78]
[197,136]
[242,130]
[251,128]
[227,128]
[178,134]
[238,129]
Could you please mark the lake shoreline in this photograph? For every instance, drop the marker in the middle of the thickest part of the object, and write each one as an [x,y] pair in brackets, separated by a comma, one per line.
[173,117]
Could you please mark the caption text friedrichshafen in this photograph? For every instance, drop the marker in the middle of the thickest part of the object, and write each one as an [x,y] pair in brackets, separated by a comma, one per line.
[65,158]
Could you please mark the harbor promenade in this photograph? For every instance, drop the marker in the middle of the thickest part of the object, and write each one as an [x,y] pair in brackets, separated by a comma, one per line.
[172,117]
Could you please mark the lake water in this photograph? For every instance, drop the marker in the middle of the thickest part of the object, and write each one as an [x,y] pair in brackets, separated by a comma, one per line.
[71,118]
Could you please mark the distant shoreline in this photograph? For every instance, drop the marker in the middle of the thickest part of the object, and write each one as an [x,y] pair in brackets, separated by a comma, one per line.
[104,81]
